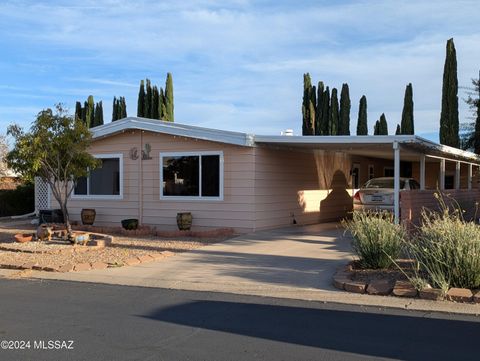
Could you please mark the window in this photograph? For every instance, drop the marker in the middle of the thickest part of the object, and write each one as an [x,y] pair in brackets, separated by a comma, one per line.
[371,171]
[105,181]
[192,175]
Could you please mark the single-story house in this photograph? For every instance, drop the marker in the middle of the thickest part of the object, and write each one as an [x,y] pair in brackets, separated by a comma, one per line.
[152,169]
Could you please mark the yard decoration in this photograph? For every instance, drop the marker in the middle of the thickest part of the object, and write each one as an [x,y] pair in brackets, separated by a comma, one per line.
[184,221]
[23,237]
[54,149]
[88,216]
[130,224]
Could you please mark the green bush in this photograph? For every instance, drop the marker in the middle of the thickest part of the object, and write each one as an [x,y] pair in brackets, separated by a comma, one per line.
[17,201]
[447,250]
[377,241]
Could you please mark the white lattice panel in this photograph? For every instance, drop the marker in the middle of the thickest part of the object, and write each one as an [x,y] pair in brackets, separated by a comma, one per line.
[42,194]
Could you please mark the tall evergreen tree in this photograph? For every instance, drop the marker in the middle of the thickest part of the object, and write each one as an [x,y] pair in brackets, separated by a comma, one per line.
[345,105]
[307,108]
[449,124]
[319,109]
[169,98]
[399,130]
[90,112]
[141,100]
[362,128]
[162,109]
[155,103]
[325,122]
[123,108]
[376,128]
[383,126]
[148,99]
[78,110]
[407,126]
[84,112]
[98,117]
[115,109]
[333,119]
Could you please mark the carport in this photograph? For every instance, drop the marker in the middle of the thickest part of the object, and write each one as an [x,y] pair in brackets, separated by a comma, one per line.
[409,148]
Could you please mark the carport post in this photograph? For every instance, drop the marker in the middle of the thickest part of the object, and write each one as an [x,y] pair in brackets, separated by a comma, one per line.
[442,174]
[469,177]
[396,182]
[422,172]
[457,175]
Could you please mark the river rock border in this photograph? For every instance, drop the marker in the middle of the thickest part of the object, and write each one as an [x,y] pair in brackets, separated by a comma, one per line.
[343,281]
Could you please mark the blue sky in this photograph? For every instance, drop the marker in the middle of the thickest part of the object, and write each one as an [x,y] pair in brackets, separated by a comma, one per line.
[236,65]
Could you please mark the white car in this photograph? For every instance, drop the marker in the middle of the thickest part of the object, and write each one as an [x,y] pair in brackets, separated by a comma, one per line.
[377,193]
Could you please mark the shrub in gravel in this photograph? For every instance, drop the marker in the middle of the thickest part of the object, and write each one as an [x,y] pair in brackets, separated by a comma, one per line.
[377,241]
[447,249]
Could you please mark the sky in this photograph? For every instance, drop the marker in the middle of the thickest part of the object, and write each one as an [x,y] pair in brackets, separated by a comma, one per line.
[236,65]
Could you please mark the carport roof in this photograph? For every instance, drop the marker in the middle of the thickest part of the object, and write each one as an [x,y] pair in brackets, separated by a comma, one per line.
[375,146]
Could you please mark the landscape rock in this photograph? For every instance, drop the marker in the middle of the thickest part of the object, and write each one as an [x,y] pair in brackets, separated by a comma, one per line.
[132,261]
[476,297]
[379,287]
[354,286]
[459,295]
[404,289]
[82,267]
[434,294]
[68,267]
[99,265]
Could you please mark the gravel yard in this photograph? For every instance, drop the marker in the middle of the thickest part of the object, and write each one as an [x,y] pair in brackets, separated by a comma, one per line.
[56,253]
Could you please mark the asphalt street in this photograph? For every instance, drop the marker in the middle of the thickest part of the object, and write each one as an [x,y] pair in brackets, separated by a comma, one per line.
[56,320]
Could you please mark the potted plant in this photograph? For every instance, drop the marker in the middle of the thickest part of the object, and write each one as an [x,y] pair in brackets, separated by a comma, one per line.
[88,216]
[184,221]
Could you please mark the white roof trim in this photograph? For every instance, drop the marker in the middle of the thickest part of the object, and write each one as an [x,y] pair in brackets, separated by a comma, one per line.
[160,126]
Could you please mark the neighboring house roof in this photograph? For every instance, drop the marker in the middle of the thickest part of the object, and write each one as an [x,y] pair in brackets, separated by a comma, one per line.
[369,145]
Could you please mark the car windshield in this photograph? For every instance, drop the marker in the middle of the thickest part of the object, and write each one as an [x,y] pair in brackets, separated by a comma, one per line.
[383,183]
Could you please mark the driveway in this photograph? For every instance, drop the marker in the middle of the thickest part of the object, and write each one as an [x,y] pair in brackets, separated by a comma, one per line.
[281,260]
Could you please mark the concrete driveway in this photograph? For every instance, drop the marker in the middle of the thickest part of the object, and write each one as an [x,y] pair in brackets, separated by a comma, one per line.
[282,260]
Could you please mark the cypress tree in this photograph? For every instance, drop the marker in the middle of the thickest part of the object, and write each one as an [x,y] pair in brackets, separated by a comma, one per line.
[449,124]
[98,118]
[123,108]
[325,129]
[383,127]
[155,103]
[114,109]
[90,112]
[78,111]
[162,109]
[362,128]
[345,105]
[376,128]
[399,130]
[169,98]
[84,112]
[308,118]
[141,100]
[476,141]
[333,119]
[407,112]
[319,109]
[148,99]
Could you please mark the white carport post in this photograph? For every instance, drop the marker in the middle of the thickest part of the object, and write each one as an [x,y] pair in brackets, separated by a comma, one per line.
[442,174]
[422,172]
[396,182]
[469,177]
[457,175]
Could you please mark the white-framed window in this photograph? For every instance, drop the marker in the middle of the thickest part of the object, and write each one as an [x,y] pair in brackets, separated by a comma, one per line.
[191,175]
[104,182]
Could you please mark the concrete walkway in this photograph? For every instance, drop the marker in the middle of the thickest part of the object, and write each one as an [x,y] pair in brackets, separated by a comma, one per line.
[295,262]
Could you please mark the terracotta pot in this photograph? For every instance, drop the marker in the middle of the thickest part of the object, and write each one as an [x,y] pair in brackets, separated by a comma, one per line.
[184,221]
[88,216]
[23,237]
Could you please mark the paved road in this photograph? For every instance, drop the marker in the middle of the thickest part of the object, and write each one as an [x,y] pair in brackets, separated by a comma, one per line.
[108,322]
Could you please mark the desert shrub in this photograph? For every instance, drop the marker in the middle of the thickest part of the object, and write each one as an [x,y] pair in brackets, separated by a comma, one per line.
[17,201]
[447,249]
[377,241]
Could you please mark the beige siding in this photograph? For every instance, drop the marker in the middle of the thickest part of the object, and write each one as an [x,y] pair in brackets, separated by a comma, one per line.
[287,187]
[235,210]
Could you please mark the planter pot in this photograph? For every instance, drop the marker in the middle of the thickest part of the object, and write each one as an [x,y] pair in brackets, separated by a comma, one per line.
[88,216]
[23,237]
[184,221]
[130,224]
